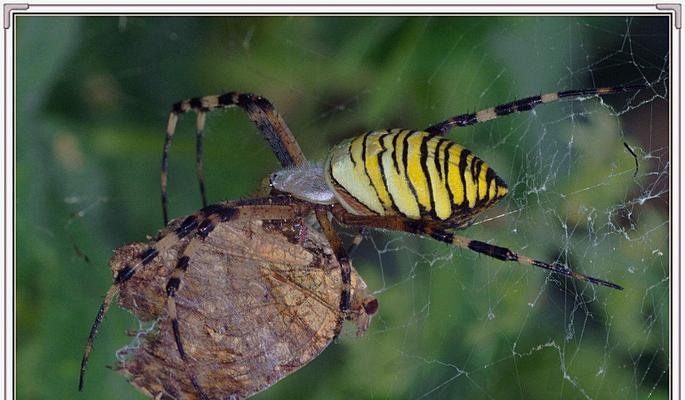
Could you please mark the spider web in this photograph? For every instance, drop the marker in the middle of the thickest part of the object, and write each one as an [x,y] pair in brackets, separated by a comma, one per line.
[462,324]
[451,322]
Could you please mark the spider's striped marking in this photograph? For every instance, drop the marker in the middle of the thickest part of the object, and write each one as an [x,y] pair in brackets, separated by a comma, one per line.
[413,174]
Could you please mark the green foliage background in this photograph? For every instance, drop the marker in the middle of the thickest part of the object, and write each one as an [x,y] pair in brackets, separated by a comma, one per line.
[93,95]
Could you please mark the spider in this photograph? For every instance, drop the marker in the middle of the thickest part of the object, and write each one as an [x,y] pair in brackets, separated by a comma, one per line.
[415,181]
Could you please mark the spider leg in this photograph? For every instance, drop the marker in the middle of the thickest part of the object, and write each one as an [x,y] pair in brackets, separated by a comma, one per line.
[199,164]
[111,293]
[356,241]
[202,223]
[172,287]
[437,232]
[214,215]
[342,257]
[126,273]
[504,254]
[525,104]
[171,127]
[260,111]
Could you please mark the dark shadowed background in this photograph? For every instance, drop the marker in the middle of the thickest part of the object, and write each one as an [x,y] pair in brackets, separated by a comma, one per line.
[93,96]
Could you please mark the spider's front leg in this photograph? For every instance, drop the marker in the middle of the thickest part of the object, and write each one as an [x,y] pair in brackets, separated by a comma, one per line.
[203,224]
[260,111]
[123,275]
[279,208]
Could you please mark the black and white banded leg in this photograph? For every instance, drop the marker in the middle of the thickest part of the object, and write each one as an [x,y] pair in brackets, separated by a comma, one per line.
[260,111]
[439,233]
[188,227]
[124,275]
[521,105]
[504,254]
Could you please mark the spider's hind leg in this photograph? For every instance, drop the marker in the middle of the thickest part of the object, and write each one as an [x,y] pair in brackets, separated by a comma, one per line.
[522,105]
[504,254]
[436,231]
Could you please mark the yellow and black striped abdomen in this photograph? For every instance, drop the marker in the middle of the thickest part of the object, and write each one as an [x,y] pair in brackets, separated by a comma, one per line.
[413,174]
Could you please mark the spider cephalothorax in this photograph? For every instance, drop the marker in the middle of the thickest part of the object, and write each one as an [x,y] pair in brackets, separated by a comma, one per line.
[415,181]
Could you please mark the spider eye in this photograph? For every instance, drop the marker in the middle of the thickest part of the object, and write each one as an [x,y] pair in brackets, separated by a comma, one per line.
[371,307]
